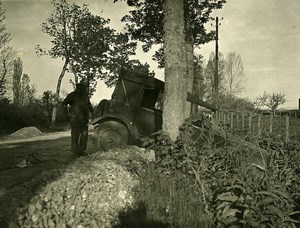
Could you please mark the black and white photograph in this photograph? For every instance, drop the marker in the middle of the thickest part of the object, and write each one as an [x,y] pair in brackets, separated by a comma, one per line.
[149,113]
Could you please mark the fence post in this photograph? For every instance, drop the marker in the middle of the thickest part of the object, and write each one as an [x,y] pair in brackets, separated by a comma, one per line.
[287,128]
[237,121]
[250,122]
[222,118]
[228,118]
[259,125]
[243,121]
[231,121]
[271,124]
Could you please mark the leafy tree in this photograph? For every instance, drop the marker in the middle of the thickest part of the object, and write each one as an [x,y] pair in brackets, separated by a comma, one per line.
[234,75]
[27,92]
[17,77]
[6,53]
[61,25]
[142,25]
[47,101]
[89,48]
[271,100]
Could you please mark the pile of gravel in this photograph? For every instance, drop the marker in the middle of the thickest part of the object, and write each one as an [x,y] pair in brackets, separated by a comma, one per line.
[26,132]
[89,192]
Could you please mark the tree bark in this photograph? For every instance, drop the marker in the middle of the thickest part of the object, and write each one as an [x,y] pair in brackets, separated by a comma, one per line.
[175,96]
[54,111]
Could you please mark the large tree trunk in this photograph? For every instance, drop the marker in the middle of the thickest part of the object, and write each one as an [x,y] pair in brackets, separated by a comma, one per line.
[175,105]
[54,111]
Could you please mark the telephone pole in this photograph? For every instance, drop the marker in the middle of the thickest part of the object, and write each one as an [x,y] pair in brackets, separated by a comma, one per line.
[217,65]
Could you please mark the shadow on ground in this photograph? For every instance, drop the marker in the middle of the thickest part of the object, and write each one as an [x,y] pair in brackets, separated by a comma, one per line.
[137,218]
[18,185]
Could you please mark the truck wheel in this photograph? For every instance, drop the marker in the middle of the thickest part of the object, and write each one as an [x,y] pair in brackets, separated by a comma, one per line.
[110,134]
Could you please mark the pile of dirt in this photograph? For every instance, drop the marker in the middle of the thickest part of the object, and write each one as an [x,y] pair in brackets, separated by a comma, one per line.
[89,192]
[25,132]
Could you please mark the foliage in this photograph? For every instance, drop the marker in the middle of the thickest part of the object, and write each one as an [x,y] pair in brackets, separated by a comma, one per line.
[17,78]
[271,100]
[236,193]
[48,103]
[142,26]
[233,103]
[6,53]
[199,83]
[23,92]
[6,66]
[14,117]
[88,45]
[28,91]
[253,198]
[4,34]
[73,29]
[169,200]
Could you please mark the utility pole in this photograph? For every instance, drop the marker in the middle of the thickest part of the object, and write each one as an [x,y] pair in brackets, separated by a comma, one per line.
[217,65]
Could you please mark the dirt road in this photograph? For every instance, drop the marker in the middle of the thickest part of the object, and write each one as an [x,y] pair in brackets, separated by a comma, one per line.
[37,154]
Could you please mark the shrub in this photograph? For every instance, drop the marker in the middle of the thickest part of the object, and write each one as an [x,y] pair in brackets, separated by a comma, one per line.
[235,192]
[13,117]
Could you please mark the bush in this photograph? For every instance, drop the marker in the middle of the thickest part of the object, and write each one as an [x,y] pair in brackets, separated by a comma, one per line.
[235,193]
[13,117]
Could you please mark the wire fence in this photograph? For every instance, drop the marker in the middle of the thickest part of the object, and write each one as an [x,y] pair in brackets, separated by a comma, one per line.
[287,126]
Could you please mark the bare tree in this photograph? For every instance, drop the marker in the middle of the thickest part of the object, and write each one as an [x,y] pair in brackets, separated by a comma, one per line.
[234,75]
[272,101]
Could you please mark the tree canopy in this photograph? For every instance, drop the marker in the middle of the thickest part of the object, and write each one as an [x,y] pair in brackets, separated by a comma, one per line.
[145,23]
[89,47]
[85,41]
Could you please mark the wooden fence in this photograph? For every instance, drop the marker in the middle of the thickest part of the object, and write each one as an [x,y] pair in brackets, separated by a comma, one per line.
[286,126]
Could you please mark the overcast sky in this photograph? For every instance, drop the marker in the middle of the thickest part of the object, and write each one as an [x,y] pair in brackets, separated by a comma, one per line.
[265,33]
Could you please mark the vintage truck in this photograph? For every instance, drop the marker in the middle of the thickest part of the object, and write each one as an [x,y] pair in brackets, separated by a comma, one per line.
[133,111]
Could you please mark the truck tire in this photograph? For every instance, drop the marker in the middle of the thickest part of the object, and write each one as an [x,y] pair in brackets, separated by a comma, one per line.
[110,134]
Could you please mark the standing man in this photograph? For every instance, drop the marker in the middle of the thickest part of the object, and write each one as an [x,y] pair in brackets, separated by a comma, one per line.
[80,106]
